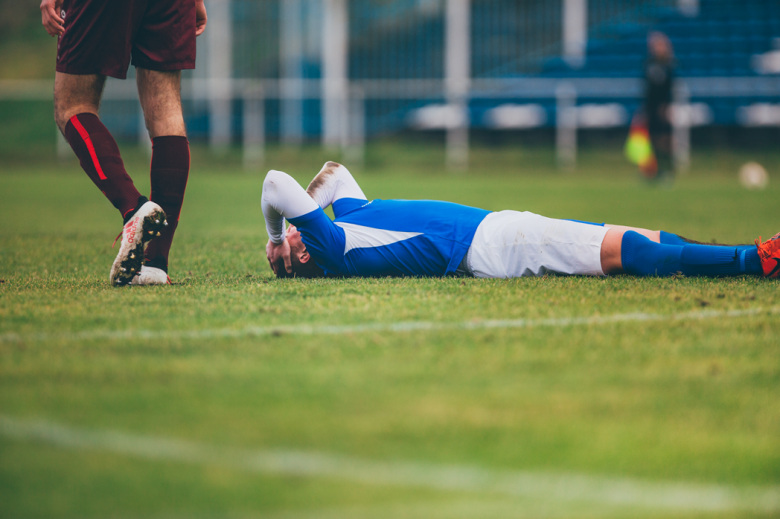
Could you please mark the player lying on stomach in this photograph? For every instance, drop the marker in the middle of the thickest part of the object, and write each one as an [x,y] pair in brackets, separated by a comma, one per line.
[432,238]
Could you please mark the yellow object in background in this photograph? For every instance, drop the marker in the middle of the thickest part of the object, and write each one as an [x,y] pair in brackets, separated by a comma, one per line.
[639,150]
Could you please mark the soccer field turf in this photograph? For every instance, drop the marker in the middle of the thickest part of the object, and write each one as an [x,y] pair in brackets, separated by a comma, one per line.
[232,394]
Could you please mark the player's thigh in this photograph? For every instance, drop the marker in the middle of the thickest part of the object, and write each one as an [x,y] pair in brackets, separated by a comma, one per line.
[611,250]
[76,94]
[160,95]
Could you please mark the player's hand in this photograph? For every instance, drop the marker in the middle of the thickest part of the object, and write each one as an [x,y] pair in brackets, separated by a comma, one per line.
[275,251]
[200,17]
[50,17]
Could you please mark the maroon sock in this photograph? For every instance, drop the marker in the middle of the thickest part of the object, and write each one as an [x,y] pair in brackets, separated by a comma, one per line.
[99,156]
[170,170]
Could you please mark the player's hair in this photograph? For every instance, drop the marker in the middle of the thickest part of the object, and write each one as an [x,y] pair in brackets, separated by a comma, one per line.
[310,269]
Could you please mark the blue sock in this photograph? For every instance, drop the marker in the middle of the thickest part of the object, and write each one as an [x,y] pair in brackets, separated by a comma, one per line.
[668,238]
[709,260]
[749,262]
[643,257]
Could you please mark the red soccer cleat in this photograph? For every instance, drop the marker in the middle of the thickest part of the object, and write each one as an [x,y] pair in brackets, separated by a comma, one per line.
[769,252]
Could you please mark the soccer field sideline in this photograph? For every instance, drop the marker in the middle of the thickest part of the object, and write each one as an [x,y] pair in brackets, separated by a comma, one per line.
[541,485]
[406,326]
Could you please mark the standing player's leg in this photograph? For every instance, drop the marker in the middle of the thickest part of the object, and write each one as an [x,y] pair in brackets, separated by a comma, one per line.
[161,102]
[164,46]
[76,103]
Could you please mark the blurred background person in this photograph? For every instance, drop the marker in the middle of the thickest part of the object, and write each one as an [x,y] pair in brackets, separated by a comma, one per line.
[659,76]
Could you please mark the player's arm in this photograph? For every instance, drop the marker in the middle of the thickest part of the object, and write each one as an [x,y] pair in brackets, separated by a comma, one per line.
[333,183]
[50,17]
[283,198]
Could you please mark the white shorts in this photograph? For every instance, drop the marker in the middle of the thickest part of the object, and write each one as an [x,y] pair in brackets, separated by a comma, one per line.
[511,244]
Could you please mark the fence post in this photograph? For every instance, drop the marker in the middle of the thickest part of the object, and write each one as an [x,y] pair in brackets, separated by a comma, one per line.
[144,140]
[63,148]
[457,69]
[335,41]
[353,141]
[291,62]
[688,8]
[220,73]
[681,127]
[575,31]
[566,125]
[254,128]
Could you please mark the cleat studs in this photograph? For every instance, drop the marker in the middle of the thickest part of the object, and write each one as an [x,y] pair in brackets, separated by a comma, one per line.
[165,223]
[157,221]
[124,269]
[132,256]
[158,233]
[151,232]
[132,270]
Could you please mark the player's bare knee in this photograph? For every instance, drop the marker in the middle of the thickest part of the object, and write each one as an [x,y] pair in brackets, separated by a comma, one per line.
[64,112]
[76,95]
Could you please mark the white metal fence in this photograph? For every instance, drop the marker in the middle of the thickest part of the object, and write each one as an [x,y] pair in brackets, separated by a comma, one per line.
[343,71]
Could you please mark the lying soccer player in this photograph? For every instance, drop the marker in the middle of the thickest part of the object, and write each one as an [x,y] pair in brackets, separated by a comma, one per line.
[432,238]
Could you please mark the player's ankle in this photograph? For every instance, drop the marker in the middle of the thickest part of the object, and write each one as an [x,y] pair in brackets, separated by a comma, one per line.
[128,215]
[158,262]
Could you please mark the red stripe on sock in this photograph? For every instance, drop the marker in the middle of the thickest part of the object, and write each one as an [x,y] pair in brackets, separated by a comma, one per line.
[88,141]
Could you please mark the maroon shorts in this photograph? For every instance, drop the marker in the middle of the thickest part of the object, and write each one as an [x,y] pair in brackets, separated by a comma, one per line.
[102,35]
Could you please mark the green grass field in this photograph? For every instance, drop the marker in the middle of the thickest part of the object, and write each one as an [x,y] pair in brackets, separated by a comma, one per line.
[590,398]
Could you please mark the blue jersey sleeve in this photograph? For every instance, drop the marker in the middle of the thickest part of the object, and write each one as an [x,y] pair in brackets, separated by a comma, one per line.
[324,240]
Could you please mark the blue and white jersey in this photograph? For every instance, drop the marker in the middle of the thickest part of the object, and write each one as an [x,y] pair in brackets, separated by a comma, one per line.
[376,238]
[390,237]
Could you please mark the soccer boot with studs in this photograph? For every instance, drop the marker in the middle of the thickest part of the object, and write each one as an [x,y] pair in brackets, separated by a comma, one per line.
[151,276]
[147,222]
[769,252]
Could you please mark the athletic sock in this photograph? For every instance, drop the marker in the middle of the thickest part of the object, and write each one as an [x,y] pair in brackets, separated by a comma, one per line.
[99,156]
[644,257]
[668,238]
[749,262]
[169,173]
[141,201]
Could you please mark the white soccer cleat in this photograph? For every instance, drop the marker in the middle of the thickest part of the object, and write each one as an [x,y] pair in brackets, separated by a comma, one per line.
[145,224]
[151,276]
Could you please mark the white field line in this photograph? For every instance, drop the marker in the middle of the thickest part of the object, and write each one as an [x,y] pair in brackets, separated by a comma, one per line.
[542,486]
[404,326]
